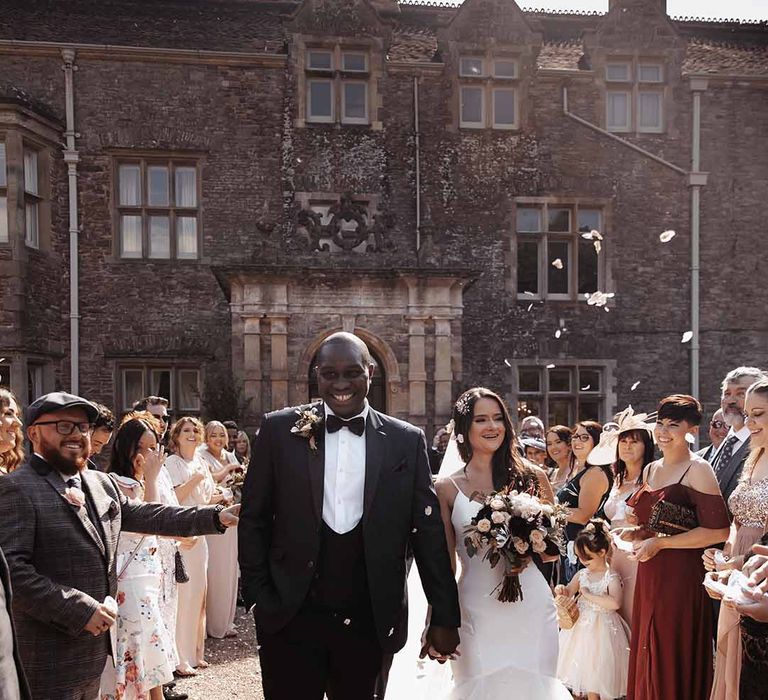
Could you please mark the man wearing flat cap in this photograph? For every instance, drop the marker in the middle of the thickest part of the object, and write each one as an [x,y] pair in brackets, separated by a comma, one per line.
[59,527]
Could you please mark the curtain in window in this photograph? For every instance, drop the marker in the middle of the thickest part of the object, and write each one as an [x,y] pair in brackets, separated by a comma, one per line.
[30,172]
[130,185]
[186,188]
[186,233]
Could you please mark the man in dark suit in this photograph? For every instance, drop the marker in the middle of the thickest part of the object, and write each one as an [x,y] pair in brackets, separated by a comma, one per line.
[13,683]
[59,527]
[335,494]
[718,430]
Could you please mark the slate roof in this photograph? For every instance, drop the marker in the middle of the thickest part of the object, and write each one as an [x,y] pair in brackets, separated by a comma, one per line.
[708,56]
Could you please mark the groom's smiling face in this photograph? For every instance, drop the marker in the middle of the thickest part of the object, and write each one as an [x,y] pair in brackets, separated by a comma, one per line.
[343,377]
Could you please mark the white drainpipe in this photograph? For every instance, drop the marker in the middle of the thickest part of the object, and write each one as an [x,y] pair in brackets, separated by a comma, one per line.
[418,160]
[71,158]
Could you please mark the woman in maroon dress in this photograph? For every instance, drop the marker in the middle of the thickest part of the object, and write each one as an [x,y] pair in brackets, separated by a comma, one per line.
[671,647]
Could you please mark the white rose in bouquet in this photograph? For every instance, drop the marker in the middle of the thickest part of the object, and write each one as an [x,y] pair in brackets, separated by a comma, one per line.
[484,525]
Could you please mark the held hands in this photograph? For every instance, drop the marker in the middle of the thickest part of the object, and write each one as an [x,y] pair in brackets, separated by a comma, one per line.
[229,517]
[101,620]
[646,549]
[440,644]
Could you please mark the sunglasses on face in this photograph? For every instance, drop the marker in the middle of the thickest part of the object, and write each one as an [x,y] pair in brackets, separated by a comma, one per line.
[717,424]
[67,427]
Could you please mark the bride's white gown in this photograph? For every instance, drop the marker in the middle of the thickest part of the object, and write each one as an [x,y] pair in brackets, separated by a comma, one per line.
[508,650]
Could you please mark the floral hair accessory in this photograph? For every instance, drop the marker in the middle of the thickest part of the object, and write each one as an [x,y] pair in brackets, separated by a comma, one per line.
[462,404]
[308,426]
[459,438]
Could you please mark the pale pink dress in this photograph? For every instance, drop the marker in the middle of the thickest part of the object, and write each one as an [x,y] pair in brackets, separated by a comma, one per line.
[621,564]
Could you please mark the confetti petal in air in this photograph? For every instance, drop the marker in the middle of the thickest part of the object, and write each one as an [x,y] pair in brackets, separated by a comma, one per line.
[687,336]
[530,306]
[557,263]
[598,247]
[586,388]
[634,386]
[507,362]
[551,366]
[530,294]
[558,333]
[667,236]
[599,298]
[428,511]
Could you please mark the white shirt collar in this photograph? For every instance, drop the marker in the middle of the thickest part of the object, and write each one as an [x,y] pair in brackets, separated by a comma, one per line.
[363,414]
[741,435]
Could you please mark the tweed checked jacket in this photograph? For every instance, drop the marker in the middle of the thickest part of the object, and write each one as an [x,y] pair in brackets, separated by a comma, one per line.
[62,568]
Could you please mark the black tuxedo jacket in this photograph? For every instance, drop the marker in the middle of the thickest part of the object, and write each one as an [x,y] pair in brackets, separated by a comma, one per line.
[281,517]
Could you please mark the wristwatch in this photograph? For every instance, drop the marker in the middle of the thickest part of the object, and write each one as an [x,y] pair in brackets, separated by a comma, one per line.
[217,519]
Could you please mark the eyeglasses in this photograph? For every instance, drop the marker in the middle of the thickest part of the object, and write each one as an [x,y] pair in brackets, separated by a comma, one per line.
[581,438]
[67,427]
[718,424]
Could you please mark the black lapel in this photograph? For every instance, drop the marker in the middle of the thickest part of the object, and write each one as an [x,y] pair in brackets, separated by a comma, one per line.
[81,514]
[375,448]
[315,463]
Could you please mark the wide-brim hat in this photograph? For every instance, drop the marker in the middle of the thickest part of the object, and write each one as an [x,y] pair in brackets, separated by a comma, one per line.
[606,451]
[58,401]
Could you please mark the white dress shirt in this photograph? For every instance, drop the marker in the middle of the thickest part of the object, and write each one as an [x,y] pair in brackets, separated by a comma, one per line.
[741,437]
[344,481]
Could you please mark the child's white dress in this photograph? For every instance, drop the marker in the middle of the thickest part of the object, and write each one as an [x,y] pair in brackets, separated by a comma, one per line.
[594,653]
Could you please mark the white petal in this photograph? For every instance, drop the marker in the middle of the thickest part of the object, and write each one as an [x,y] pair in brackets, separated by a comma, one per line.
[428,511]
[586,388]
[557,263]
[530,294]
[530,306]
[550,366]
[507,362]
[667,236]
[634,386]
[687,336]
[558,333]
[598,247]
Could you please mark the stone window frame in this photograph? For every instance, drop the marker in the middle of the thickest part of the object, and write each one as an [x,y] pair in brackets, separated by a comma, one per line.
[633,87]
[338,76]
[604,398]
[577,244]
[145,160]
[23,130]
[146,368]
[490,84]
[28,375]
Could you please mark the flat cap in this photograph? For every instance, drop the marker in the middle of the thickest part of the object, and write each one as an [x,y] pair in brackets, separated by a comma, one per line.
[534,442]
[58,401]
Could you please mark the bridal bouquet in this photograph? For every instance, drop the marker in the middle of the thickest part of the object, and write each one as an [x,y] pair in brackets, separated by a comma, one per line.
[238,479]
[511,527]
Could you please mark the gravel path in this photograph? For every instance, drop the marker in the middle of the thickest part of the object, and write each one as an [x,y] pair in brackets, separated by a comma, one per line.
[234,671]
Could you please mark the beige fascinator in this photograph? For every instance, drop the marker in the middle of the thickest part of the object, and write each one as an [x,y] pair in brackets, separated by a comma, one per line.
[606,450]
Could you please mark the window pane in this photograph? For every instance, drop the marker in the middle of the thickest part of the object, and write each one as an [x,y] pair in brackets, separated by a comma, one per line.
[559,220]
[34,381]
[649,73]
[588,279]
[649,110]
[471,67]
[159,237]
[472,105]
[560,380]
[130,237]
[30,171]
[3,177]
[354,62]
[133,387]
[528,267]
[617,110]
[130,185]
[186,237]
[617,72]
[528,407]
[355,101]
[589,379]
[320,99]
[589,220]
[557,277]
[189,390]
[589,409]
[504,107]
[157,186]
[320,60]
[186,187]
[160,383]
[32,233]
[528,219]
[560,412]
[3,219]
[528,379]
[503,68]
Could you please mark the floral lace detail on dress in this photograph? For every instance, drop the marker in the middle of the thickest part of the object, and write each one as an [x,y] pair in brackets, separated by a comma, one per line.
[749,503]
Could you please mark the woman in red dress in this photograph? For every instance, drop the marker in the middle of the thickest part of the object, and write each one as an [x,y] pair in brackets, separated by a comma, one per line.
[671,647]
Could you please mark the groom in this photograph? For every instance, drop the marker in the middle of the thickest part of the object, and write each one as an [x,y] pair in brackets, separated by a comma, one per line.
[335,494]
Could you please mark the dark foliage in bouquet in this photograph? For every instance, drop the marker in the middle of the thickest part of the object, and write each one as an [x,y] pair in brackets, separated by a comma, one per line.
[513,523]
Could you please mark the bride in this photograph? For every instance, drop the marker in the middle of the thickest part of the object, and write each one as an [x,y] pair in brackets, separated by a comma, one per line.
[508,651]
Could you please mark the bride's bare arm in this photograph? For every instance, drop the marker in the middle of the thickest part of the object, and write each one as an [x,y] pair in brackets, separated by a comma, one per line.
[446,495]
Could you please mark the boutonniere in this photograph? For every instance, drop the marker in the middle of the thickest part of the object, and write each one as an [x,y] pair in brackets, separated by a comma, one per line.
[308,426]
[75,497]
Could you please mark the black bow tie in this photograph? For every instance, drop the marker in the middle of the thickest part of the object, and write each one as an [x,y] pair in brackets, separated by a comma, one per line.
[334,424]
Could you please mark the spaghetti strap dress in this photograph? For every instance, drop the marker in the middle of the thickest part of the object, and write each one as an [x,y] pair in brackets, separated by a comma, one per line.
[671,645]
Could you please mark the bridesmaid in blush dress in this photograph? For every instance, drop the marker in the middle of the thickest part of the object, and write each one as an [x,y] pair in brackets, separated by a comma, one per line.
[671,648]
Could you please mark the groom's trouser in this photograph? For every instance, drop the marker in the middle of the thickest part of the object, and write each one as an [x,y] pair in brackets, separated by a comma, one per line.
[321,652]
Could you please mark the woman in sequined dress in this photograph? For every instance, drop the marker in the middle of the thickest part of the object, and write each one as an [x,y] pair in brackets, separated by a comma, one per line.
[749,505]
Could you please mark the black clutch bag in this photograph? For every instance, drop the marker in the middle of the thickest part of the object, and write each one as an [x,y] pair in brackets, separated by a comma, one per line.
[671,518]
[180,573]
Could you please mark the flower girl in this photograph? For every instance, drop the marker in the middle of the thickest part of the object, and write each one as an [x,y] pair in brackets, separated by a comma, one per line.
[594,653]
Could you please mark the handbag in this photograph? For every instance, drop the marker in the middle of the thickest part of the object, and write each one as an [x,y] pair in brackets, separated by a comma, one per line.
[567,611]
[671,518]
[180,570]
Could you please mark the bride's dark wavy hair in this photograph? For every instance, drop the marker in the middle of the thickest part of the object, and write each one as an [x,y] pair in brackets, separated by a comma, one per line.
[508,468]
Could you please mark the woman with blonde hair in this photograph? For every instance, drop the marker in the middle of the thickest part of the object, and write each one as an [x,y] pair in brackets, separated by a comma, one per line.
[221,598]
[11,436]
[194,485]
[242,448]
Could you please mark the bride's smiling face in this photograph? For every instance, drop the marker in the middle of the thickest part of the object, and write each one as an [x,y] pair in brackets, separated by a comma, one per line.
[487,431]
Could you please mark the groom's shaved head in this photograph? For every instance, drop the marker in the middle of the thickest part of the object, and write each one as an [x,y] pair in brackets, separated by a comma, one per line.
[346,339]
